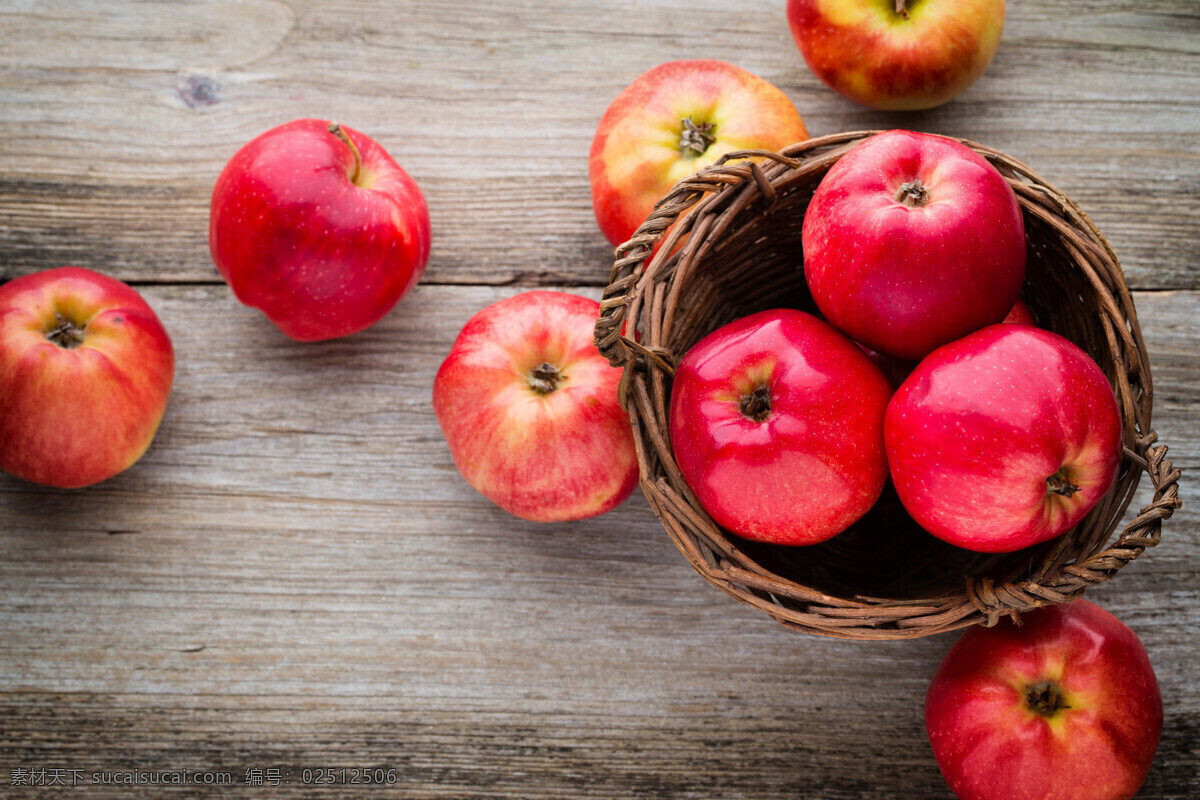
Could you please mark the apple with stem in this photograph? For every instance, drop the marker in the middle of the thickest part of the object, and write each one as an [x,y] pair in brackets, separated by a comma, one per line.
[85,373]
[317,226]
[1003,439]
[897,54]
[911,241]
[673,120]
[1064,706]
[776,424]
[530,412]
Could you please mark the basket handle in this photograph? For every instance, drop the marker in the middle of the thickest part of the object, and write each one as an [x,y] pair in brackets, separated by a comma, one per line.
[616,304]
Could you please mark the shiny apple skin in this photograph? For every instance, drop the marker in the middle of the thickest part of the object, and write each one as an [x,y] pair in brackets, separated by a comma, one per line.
[548,457]
[74,416]
[320,255]
[865,51]
[979,426]
[816,463]
[904,280]
[990,744]
[636,157]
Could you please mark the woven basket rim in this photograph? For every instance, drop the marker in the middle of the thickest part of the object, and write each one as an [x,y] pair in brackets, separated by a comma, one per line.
[638,308]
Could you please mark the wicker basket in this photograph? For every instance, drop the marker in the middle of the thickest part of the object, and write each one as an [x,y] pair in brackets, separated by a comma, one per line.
[738,252]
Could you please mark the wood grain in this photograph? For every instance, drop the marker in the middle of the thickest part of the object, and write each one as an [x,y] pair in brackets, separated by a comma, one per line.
[492,107]
[295,576]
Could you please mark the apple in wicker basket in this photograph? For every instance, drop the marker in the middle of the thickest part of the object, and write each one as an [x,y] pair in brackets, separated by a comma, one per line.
[911,241]
[897,55]
[1066,706]
[776,424]
[1003,439]
[530,412]
[85,373]
[673,120]
[319,228]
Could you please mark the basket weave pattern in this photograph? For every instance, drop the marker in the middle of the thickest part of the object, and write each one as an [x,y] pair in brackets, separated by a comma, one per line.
[736,250]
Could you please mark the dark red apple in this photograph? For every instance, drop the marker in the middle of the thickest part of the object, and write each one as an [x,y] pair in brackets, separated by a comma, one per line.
[1064,707]
[777,427]
[1003,439]
[318,227]
[912,241]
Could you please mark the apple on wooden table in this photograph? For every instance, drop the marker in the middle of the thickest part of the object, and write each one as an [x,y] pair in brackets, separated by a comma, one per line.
[85,373]
[1065,706]
[911,241]
[530,412]
[776,424]
[317,226]
[1003,439]
[673,120]
[897,54]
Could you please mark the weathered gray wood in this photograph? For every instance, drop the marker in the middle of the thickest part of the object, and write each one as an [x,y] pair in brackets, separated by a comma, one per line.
[295,576]
[118,116]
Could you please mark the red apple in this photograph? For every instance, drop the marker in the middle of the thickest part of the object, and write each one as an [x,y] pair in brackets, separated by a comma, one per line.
[912,241]
[672,121]
[777,427]
[1020,314]
[529,409]
[897,55]
[315,225]
[85,372]
[1064,707]
[1003,439]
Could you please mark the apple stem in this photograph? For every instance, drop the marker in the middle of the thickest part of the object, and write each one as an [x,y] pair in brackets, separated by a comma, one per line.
[1045,698]
[545,379]
[913,194]
[65,333]
[695,139]
[757,404]
[337,131]
[901,8]
[1058,484]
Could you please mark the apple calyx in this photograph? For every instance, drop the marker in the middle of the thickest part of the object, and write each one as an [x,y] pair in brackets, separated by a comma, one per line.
[696,139]
[1045,698]
[65,333]
[1058,484]
[756,405]
[545,379]
[901,9]
[337,131]
[913,194]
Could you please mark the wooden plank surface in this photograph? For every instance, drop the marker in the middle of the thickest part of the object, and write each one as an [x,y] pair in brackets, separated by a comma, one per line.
[295,577]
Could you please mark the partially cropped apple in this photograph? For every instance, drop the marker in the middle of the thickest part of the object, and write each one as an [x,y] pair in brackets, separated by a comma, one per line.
[897,54]
[317,226]
[85,372]
[911,241]
[777,427]
[673,120]
[1020,314]
[529,409]
[1065,706]
[1003,439]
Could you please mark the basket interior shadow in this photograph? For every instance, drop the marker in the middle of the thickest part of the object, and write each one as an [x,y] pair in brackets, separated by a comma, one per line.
[727,243]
